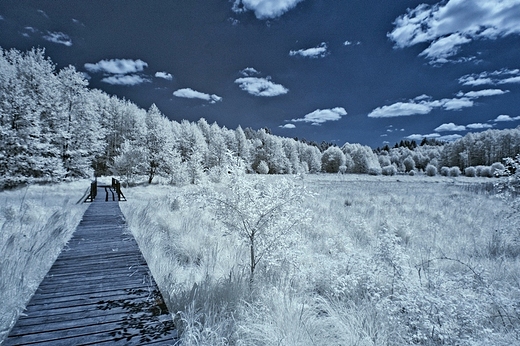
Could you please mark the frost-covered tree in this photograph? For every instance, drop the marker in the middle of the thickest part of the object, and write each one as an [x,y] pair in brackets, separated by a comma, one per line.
[364,159]
[332,159]
[261,214]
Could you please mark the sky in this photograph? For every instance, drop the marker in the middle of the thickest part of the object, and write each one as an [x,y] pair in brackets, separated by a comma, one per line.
[373,72]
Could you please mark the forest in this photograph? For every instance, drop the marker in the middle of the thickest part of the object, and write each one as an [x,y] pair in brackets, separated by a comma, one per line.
[53,127]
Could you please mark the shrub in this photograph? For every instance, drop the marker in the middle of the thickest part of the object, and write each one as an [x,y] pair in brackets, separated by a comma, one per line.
[445,171]
[389,170]
[411,173]
[497,169]
[431,170]
[486,172]
[409,164]
[262,168]
[454,171]
[470,172]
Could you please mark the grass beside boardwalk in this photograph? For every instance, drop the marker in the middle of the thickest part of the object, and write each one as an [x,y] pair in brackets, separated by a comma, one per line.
[35,223]
[381,261]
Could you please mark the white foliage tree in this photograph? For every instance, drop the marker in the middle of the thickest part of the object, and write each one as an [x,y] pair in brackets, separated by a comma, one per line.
[261,214]
[332,159]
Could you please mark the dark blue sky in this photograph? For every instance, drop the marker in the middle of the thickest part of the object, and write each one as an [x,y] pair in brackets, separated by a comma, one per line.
[366,71]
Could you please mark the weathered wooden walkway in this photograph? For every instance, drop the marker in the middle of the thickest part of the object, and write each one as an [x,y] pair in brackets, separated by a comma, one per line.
[99,291]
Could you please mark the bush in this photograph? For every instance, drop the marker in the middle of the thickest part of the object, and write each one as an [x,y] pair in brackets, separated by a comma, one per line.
[470,172]
[454,171]
[497,169]
[409,164]
[431,170]
[486,172]
[411,173]
[262,168]
[389,170]
[445,171]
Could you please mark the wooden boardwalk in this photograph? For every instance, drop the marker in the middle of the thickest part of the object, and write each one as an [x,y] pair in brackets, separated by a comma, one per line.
[99,291]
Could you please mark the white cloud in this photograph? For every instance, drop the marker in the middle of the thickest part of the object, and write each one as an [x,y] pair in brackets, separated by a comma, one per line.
[400,109]
[249,71]
[504,76]
[423,104]
[261,86]
[350,43]
[1,18]
[58,37]
[456,104]
[193,94]
[164,75]
[417,137]
[485,92]
[288,126]
[265,9]
[444,47]
[124,80]
[117,66]
[504,117]
[449,24]
[316,52]
[450,127]
[478,126]
[319,116]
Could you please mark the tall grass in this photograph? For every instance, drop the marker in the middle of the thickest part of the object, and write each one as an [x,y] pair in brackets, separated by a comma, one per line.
[35,223]
[385,261]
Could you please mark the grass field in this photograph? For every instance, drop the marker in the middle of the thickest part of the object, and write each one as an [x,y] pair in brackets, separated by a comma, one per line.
[35,224]
[367,261]
[372,261]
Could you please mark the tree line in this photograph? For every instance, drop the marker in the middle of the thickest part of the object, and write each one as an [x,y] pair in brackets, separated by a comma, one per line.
[54,127]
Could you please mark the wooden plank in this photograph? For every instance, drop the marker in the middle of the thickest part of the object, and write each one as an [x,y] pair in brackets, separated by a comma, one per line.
[99,291]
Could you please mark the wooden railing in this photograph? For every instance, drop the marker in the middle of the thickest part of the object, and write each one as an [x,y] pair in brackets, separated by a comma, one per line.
[114,188]
[117,186]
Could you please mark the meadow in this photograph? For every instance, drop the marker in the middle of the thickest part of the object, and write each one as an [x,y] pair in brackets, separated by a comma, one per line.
[339,259]
[35,224]
[359,260]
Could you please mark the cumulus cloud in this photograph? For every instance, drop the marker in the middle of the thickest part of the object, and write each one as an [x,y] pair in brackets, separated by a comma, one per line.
[485,92]
[450,127]
[164,75]
[124,80]
[193,94]
[423,104]
[447,138]
[504,117]
[315,52]
[319,116]
[59,38]
[478,126]
[117,66]
[249,71]
[400,109]
[350,43]
[261,86]
[504,76]
[450,24]
[288,126]
[265,9]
